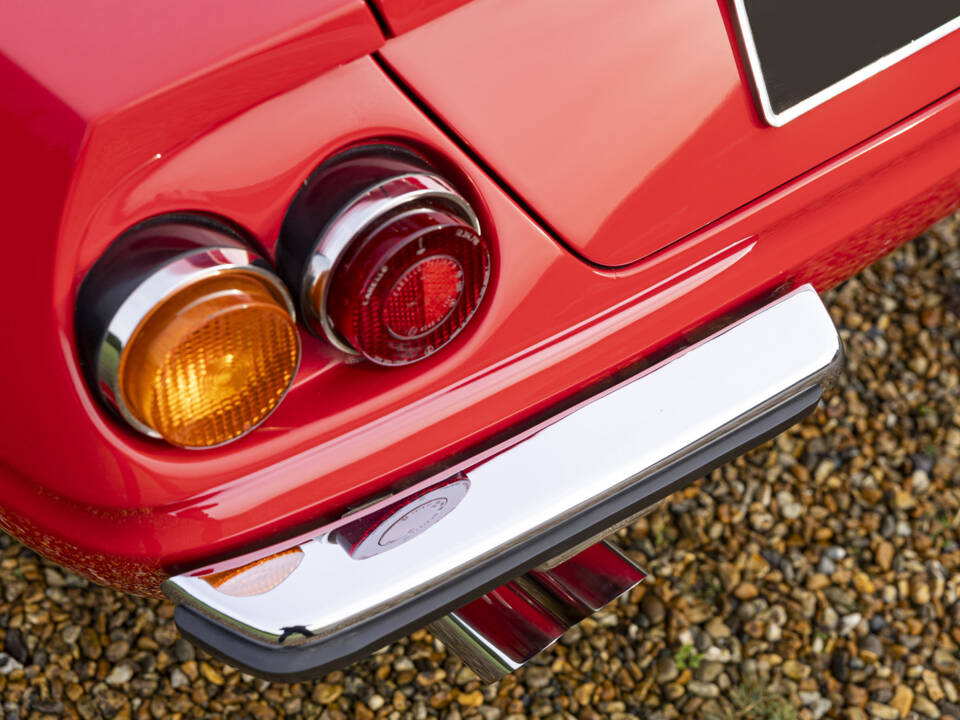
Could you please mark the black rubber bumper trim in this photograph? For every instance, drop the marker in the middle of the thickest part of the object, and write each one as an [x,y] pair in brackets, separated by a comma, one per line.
[350,644]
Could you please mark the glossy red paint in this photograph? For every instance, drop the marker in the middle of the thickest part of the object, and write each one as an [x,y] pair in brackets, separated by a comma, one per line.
[639,127]
[401,16]
[90,493]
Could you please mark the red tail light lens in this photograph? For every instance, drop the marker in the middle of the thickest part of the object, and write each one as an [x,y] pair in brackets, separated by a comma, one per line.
[423,297]
[407,288]
[386,257]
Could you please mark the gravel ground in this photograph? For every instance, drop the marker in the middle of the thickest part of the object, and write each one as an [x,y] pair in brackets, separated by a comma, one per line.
[815,577]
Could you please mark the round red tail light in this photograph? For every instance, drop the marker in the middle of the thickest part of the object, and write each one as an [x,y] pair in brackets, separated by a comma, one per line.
[407,288]
[387,257]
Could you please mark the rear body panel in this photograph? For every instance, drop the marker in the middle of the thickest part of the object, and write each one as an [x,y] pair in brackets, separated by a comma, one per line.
[235,132]
[638,127]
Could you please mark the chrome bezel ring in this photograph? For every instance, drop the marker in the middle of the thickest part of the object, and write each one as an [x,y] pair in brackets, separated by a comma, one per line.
[181,270]
[376,204]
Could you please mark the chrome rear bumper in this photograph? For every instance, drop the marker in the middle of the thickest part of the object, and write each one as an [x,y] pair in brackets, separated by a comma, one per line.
[409,559]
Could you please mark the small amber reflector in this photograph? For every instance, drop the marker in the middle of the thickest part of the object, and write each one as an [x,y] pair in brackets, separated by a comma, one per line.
[257,577]
[211,361]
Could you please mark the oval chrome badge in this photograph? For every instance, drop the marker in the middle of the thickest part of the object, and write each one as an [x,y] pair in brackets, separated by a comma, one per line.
[402,521]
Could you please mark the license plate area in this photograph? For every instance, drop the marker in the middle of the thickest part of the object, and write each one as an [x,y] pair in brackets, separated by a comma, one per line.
[801,53]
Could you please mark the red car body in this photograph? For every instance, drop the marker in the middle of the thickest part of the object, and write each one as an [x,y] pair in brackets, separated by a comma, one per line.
[633,192]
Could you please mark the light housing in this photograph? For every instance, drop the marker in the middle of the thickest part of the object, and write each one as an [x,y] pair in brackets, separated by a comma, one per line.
[386,257]
[259,576]
[187,334]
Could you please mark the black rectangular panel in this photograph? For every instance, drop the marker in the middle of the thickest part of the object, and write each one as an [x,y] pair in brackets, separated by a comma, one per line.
[805,47]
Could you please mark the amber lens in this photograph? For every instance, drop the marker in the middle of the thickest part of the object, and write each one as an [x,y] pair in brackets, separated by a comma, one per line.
[259,576]
[211,361]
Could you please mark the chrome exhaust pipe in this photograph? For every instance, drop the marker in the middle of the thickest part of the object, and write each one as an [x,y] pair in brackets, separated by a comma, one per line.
[500,631]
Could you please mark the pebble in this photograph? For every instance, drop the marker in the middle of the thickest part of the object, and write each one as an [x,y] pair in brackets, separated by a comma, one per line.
[925,707]
[708,671]
[849,622]
[8,664]
[871,649]
[883,712]
[652,608]
[537,677]
[667,670]
[120,675]
[884,555]
[820,707]
[902,700]
[795,670]
[703,690]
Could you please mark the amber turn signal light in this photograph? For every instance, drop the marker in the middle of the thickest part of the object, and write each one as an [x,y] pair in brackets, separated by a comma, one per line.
[259,576]
[211,361]
[203,346]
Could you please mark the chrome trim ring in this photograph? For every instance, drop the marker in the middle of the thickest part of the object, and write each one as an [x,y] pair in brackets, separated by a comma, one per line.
[180,271]
[376,204]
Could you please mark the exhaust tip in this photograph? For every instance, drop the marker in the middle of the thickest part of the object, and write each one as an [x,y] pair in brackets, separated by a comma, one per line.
[501,631]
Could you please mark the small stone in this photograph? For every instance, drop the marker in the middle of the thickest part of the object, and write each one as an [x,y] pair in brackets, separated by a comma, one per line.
[871,649]
[920,592]
[761,522]
[708,671]
[863,583]
[651,606]
[471,699]
[792,510]
[839,665]
[729,575]
[584,693]
[795,671]
[884,555]
[537,676]
[53,577]
[920,481]
[70,634]
[926,708]
[817,581]
[178,679]
[703,690]
[902,700]
[674,691]
[902,500]
[746,591]
[820,707]
[883,712]
[667,670]
[118,650]
[849,622]
[375,702]
[211,674]
[835,552]
[184,651]
[326,694]
[14,647]
[717,629]
[856,696]
[830,618]
[120,675]
[8,664]
[90,643]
